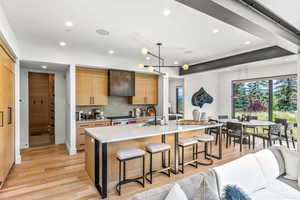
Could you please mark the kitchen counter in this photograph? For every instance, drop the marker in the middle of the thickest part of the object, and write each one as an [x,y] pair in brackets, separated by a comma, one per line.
[93,120]
[137,131]
[103,143]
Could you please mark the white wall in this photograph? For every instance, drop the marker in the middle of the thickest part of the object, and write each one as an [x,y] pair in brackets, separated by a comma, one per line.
[226,78]
[192,83]
[173,84]
[60,107]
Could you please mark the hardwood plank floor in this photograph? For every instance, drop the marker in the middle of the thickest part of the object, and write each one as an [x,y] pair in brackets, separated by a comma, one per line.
[48,173]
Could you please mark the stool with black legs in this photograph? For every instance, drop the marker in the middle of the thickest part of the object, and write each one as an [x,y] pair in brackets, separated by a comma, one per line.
[206,139]
[184,143]
[125,155]
[155,148]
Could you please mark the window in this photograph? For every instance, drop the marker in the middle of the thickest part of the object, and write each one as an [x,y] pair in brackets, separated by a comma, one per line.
[179,100]
[267,98]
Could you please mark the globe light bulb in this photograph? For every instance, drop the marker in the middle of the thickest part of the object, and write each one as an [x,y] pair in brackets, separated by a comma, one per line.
[185,67]
[151,69]
[141,66]
[144,51]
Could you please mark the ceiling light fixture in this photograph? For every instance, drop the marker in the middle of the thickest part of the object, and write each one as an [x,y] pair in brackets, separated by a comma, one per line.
[247,42]
[44,66]
[167,12]
[216,30]
[161,61]
[62,44]
[111,52]
[69,24]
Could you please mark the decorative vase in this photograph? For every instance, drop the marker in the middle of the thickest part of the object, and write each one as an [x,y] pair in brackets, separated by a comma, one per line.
[203,117]
[196,114]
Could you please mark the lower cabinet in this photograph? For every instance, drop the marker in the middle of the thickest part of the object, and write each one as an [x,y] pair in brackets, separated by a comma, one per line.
[80,131]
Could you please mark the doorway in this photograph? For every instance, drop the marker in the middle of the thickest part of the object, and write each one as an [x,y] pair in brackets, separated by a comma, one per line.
[41,109]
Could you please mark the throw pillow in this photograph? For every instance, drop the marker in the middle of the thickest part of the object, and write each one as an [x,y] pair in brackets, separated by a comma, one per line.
[176,193]
[205,192]
[232,192]
[291,160]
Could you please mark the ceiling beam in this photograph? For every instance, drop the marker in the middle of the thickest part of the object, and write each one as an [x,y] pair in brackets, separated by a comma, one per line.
[248,57]
[237,14]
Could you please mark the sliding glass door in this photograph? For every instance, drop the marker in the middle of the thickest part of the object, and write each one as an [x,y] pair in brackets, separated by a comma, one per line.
[251,98]
[285,98]
[267,98]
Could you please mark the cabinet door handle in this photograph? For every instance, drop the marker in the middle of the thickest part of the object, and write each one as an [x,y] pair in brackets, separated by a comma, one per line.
[9,115]
[2,118]
[90,100]
[93,100]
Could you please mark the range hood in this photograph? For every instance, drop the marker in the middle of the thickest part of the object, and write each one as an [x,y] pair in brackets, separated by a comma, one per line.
[121,83]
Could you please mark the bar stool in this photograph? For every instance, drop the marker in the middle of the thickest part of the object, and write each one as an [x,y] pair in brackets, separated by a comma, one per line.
[206,139]
[188,142]
[155,148]
[124,155]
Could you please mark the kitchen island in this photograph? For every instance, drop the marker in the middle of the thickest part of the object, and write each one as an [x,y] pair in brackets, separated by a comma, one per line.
[102,143]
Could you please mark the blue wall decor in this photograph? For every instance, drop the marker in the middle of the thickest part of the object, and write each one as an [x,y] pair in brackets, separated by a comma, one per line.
[201,97]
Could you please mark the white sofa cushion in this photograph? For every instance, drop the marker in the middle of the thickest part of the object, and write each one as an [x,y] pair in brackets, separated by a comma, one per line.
[281,189]
[268,163]
[291,160]
[244,172]
[176,193]
[266,195]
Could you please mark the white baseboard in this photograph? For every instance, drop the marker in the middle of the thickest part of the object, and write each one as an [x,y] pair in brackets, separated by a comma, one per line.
[72,151]
[18,159]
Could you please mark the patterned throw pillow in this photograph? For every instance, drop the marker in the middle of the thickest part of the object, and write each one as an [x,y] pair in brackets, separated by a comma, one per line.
[233,192]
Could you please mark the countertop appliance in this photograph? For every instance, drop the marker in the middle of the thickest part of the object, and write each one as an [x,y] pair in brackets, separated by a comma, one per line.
[122,120]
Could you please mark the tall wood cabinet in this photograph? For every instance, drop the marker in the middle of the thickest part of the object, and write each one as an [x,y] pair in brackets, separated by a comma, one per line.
[146,89]
[7,129]
[91,86]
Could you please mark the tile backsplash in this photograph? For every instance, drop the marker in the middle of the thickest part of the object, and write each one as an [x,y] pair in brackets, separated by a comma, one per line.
[117,106]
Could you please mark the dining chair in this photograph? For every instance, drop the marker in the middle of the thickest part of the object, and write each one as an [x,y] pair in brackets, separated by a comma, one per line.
[273,134]
[290,132]
[285,134]
[236,131]
[216,131]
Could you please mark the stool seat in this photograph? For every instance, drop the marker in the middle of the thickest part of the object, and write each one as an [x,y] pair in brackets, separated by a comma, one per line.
[187,141]
[157,147]
[128,153]
[204,138]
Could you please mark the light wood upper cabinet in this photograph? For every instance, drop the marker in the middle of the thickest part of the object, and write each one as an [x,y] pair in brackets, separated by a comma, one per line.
[91,86]
[146,89]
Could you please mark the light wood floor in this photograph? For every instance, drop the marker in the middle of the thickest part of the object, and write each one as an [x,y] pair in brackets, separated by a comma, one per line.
[50,173]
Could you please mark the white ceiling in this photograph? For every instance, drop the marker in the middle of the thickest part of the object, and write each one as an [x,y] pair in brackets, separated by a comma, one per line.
[286,9]
[132,24]
[37,66]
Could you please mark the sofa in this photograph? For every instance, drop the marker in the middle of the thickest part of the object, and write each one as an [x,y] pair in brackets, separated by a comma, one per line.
[260,175]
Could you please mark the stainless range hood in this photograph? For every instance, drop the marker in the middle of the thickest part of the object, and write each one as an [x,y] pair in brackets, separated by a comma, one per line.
[121,83]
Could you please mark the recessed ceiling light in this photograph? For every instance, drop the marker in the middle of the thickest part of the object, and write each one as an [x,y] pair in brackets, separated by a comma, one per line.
[286,59]
[216,30]
[62,44]
[176,63]
[69,24]
[167,12]
[111,51]
[247,42]
[44,66]
[147,58]
[102,32]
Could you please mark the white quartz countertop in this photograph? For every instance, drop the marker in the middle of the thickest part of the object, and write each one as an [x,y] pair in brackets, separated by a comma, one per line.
[121,133]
